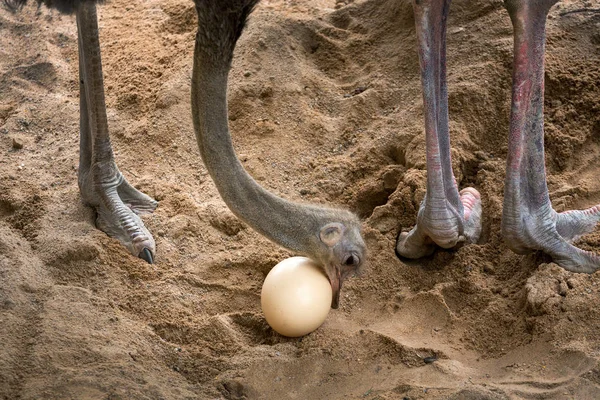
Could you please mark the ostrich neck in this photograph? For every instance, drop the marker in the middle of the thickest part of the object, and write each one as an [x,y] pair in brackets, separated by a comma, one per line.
[291,225]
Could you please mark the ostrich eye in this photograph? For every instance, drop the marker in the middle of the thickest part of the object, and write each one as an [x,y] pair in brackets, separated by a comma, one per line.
[351,260]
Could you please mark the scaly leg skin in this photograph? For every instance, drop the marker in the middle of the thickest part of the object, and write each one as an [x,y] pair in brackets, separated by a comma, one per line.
[102,185]
[528,222]
[446,217]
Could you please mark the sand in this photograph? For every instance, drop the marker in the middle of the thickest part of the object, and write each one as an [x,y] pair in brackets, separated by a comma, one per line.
[325,107]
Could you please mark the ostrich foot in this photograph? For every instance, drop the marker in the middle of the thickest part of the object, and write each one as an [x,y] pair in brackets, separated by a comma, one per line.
[443,226]
[553,233]
[117,205]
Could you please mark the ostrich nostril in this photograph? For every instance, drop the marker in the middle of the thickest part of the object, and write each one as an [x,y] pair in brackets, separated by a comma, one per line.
[351,260]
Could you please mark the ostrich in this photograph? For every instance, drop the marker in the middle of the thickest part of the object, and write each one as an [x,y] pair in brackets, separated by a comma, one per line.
[447,216]
[330,236]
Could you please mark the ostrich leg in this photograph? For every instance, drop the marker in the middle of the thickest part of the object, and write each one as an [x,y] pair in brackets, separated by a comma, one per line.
[529,221]
[446,217]
[102,185]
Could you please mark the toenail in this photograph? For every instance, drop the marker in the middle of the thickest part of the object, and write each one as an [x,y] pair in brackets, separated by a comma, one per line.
[146,255]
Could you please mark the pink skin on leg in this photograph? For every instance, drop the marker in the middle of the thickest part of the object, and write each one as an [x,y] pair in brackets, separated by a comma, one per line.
[446,217]
[528,221]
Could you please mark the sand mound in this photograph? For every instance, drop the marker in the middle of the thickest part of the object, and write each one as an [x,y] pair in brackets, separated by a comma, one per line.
[325,106]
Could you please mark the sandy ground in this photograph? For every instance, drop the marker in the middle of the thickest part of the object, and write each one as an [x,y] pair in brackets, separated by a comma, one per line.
[325,106]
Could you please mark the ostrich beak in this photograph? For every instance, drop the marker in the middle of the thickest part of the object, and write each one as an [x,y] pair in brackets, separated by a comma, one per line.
[336,286]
